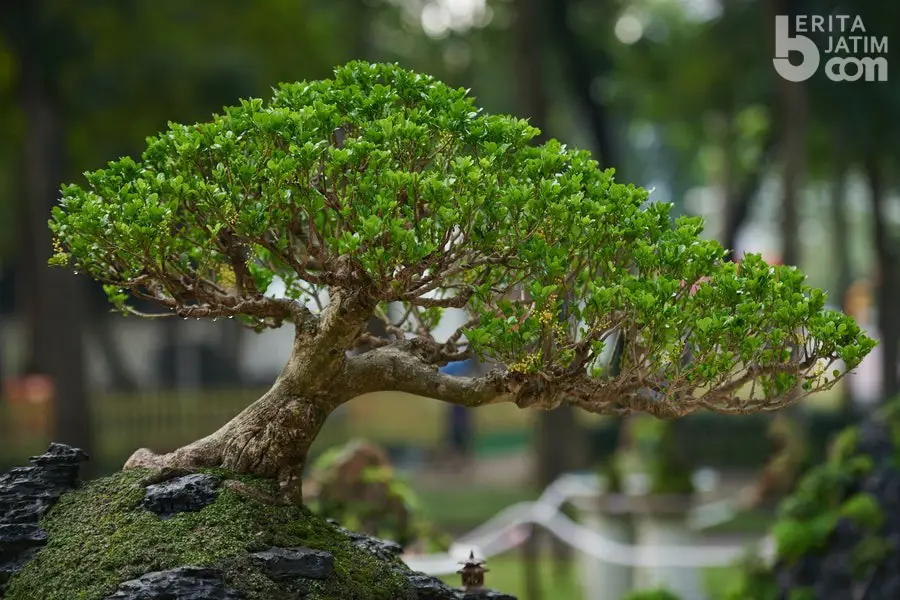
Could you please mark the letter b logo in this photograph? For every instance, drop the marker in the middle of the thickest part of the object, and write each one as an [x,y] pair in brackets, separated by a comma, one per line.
[784,44]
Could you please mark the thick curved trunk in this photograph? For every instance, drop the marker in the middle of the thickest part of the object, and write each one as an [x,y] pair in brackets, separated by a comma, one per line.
[270,438]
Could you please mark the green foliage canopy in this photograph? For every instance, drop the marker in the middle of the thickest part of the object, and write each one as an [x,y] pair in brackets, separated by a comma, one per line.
[389,184]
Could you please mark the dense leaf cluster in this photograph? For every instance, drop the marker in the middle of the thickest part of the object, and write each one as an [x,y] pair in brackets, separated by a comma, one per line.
[393,185]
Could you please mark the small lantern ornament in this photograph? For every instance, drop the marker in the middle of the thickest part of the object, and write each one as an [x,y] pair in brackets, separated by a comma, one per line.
[472,573]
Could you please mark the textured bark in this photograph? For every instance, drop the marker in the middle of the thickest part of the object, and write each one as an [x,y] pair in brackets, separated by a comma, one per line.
[270,438]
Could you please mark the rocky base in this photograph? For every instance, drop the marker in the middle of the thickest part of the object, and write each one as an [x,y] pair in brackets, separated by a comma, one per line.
[860,558]
[143,535]
[838,534]
[26,494]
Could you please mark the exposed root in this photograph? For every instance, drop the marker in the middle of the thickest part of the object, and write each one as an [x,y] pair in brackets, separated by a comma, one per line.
[144,458]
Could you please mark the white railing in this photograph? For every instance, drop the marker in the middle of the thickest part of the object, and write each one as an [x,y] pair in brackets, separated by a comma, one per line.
[512,526]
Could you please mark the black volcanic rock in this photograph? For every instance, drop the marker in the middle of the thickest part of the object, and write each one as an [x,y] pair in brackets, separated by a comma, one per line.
[182,494]
[26,494]
[432,588]
[183,583]
[290,563]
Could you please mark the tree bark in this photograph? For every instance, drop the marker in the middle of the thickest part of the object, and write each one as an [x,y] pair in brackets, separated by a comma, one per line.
[272,436]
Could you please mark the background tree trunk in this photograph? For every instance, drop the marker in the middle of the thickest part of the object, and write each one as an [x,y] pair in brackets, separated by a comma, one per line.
[740,199]
[584,71]
[841,236]
[56,298]
[791,121]
[887,280]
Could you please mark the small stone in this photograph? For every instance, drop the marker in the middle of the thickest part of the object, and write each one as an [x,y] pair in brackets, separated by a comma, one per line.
[290,563]
[183,583]
[182,494]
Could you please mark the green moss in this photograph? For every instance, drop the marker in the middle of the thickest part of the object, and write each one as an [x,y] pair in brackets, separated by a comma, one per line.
[795,538]
[844,444]
[863,510]
[100,536]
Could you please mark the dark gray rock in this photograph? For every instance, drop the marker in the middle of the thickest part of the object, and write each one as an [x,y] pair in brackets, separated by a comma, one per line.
[181,494]
[26,494]
[15,537]
[432,588]
[59,455]
[183,583]
[15,563]
[290,563]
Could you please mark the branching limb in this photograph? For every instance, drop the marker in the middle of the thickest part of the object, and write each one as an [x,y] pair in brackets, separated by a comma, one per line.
[412,367]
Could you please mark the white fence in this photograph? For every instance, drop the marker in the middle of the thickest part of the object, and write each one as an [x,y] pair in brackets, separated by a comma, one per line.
[512,527]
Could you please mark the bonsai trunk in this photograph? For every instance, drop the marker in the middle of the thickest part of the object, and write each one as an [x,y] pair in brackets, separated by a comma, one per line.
[271,437]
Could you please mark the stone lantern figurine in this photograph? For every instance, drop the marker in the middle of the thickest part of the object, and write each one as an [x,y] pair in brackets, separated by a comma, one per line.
[472,573]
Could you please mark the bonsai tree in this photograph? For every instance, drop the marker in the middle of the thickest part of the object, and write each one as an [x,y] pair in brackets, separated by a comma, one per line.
[385,193]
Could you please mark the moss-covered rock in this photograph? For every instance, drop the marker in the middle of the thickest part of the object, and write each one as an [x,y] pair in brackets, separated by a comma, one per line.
[839,531]
[100,535]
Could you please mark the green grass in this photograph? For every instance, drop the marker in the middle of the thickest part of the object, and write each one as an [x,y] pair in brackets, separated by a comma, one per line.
[754,522]
[562,581]
[719,582]
[463,508]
